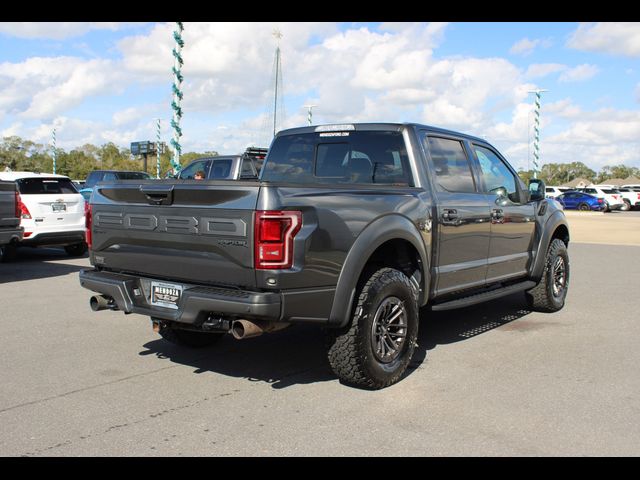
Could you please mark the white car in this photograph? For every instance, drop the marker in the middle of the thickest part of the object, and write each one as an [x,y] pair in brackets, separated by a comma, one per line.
[612,198]
[553,192]
[52,211]
[630,196]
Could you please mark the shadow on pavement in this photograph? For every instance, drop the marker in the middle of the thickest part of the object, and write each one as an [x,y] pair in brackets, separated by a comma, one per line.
[297,355]
[450,326]
[35,263]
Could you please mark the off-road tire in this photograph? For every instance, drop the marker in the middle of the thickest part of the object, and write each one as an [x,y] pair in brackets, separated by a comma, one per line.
[189,338]
[351,352]
[543,297]
[76,250]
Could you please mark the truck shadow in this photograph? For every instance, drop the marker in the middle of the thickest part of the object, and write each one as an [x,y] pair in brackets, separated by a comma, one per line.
[297,355]
[451,326]
[36,263]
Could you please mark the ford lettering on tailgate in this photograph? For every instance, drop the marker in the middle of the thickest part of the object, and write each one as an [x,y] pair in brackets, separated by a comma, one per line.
[231,227]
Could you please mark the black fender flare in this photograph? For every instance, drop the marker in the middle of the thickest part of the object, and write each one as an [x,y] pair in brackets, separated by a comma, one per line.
[550,226]
[378,232]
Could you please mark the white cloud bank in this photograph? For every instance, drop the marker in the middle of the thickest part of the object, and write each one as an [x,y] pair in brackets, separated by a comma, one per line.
[621,38]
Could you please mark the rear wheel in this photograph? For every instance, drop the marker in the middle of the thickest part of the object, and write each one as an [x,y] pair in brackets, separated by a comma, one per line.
[375,350]
[77,249]
[584,207]
[188,338]
[626,205]
[7,253]
[550,293]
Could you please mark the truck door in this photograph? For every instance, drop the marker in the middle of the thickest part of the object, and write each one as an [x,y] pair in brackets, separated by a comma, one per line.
[512,219]
[463,225]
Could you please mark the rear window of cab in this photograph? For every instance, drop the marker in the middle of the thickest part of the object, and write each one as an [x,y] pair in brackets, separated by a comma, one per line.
[356,157]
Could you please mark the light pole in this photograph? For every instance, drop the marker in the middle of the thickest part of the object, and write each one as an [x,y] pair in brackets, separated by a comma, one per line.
[158,142]
[310,113]
[53,153]
[536,128]
[177,96]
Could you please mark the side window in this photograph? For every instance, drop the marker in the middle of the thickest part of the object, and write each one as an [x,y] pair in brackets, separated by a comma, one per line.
[190,170]
[498,179]
[221,168]
[109,176]
[92,179]
[451,165]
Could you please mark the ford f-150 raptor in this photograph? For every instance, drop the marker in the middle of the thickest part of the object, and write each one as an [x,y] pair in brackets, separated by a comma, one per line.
[351,227]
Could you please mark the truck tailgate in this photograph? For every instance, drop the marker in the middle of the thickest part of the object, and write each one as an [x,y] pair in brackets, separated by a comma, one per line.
[183,230]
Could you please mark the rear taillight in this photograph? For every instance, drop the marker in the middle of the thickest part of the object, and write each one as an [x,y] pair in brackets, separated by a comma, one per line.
[639,196]
[273,238]
[600,200]
[88,218]
[18,212]
[21,209]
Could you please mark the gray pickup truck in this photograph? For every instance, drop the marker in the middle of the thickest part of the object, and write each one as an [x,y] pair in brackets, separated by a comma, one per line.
[352,228]
[10,229]
[227,167]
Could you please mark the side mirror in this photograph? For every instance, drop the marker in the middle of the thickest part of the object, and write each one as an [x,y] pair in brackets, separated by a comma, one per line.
[537,190]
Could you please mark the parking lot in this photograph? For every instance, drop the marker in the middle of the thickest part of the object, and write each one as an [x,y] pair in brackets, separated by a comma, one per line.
[488,380]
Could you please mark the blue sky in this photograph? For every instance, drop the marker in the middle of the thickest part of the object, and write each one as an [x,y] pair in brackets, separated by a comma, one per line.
[108,82]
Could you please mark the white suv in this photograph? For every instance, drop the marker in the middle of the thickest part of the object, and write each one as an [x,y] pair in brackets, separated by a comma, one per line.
[553,192]
[630,196]
[612,198]
[52,211]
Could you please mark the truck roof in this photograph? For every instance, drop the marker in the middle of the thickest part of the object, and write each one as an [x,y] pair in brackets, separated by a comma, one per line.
[374,126]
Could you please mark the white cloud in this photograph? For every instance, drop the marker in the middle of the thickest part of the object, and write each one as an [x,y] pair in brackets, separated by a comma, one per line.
[579,73]
[56,30]
[526,47]
[613,38]
[539,70]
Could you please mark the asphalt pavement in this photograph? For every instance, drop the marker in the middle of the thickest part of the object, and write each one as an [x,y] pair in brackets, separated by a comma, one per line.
[489,380]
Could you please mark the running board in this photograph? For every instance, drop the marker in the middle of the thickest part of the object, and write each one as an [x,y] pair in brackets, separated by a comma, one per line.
[484,296]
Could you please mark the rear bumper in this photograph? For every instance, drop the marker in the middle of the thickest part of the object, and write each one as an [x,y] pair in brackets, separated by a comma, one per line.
[10,236]
[54,238]
[131,294]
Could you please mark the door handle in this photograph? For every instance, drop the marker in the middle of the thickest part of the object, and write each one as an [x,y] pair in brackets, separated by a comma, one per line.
[449,215]
[497,214]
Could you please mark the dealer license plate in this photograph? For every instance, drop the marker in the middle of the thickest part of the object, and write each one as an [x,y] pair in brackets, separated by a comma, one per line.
[165,294]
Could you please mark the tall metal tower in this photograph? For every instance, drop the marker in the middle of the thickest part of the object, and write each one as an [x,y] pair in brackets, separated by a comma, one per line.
[277,69]
[536,128]
[274,114]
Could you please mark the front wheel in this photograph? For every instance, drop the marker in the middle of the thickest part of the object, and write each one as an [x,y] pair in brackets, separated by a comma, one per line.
[375,350]
[550,293]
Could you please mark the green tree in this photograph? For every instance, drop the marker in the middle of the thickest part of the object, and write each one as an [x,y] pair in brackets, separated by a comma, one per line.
[616,171]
